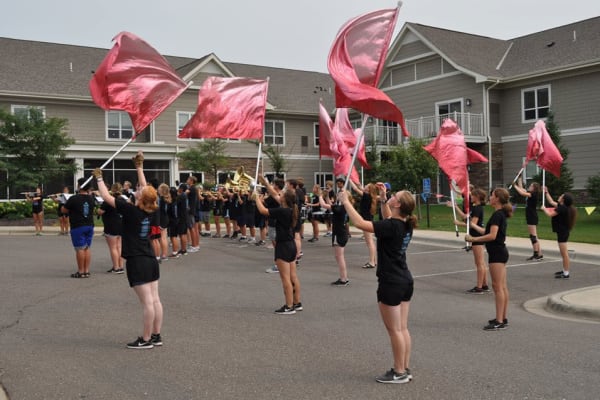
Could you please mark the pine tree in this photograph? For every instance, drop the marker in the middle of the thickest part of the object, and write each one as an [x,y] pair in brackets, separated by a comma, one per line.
[557,186]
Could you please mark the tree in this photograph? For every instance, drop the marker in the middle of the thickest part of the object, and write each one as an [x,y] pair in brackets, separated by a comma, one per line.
[593,189]
[557,186]
[406,166]
[33,148]
[278,161]
[208,156]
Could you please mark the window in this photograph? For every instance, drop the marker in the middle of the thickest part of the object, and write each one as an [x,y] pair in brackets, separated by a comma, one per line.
[119,125]
[20,110]
[535,103]
[316,135]
[271,176]
[531,170]
[182,118]
[184,175]
[322,177]
[274,132]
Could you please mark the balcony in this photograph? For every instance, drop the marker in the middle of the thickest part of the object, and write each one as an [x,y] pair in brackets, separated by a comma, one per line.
[426,128]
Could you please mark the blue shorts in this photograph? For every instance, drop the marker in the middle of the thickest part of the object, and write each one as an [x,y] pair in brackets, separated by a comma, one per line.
[82,236]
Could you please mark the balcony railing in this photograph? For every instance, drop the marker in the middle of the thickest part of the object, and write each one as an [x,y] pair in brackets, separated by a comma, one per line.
[426,127]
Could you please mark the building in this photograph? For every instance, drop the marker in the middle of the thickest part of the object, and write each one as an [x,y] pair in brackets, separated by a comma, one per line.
[495,89]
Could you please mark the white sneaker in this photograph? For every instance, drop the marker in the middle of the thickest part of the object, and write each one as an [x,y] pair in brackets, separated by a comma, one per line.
[194,249]
[252,240]
[272,270]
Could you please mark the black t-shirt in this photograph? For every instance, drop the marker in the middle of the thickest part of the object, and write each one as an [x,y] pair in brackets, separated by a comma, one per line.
[192,199]
[560,222]
[111,219]
[499,219]
[364,207]
[339,220]
[136,230]
[271,203]
[81,210]
[476,212]
[284,223]
[393,237]
[163,212]
[182,207]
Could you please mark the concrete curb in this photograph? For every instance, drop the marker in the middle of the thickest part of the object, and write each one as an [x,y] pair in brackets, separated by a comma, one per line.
[582,303]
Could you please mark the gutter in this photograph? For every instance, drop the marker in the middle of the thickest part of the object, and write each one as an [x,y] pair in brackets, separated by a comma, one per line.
[487,128]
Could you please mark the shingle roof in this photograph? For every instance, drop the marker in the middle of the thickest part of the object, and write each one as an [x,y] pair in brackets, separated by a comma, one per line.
[541,52]
[65,70]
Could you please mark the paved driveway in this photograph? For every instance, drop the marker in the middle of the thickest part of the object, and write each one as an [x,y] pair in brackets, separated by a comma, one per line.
[63,338]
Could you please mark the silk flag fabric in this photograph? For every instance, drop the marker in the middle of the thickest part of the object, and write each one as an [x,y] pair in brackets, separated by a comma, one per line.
[229,108]
[355,63]
[350,136]
[330,133]
[325,128]
[541,148]
[135,78]
[453,156]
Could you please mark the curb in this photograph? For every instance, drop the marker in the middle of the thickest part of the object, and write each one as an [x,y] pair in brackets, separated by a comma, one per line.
[559,303]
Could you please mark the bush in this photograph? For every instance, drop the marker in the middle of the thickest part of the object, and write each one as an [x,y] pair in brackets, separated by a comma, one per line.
[593,189]
[22,209]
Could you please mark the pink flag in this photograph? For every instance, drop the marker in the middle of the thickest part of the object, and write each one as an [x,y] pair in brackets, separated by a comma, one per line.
[355,63]
[350,136]
[541,148]
[135,78]
[229,108]
[453,155]
[331,137]
[325,128]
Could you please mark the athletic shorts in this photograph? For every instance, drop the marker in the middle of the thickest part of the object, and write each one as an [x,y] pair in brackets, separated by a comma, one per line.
[155,232]
[497,255]
[562,237]
[141,270]
[392,294]
[286,251]
[82,236]
[339,240]
[204,216]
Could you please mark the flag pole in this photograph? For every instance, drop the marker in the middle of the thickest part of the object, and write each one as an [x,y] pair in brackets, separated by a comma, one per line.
[516,177]
[453,207]
[544,187]
[258,157]
[356,149]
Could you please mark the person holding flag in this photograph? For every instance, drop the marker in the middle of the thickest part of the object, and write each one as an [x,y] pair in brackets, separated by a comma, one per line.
[494,237]
[563,219]
[531,215]
[395,282]
[141,264]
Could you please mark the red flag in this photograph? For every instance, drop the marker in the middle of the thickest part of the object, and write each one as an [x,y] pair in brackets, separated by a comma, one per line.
[325,128]
[451,152]
[541,148]
[229,108]
[135,78]
[355,63]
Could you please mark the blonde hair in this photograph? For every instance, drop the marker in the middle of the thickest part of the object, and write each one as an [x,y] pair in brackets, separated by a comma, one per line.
[164,191]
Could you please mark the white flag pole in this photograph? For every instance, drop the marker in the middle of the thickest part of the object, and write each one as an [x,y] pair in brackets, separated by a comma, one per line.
[544,187]
[453,207]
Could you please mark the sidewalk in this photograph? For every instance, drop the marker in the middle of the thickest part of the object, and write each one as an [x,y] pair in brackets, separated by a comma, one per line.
[581,303]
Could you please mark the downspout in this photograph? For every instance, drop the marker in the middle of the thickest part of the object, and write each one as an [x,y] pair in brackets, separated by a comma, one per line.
[487,128]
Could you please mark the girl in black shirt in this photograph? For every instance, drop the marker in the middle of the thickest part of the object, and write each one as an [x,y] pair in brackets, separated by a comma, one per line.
[395,282]
[531,215]
[563,219]
[494,237]
[141,264]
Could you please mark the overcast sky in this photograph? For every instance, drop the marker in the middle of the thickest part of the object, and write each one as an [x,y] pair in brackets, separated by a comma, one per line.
[278,33]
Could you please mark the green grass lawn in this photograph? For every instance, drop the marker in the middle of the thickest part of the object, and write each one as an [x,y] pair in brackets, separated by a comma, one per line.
[586,230]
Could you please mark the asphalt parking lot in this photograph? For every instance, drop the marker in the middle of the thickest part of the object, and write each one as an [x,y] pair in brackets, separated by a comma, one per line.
[63,338]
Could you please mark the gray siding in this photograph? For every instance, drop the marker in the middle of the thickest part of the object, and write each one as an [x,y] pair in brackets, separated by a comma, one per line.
[410,50]
[429,68]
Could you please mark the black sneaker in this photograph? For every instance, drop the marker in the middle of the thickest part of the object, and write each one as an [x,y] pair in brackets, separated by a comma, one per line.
[539,258]
[298,307]
[140,343]
[340,282]
[285,310]
[562,275]
[260,243]
[475,290]
[119,271]
[494,325]
[392,376]
[531,258]
[313,239]
[485,288]
[505,322]
[226,236]
[156,339]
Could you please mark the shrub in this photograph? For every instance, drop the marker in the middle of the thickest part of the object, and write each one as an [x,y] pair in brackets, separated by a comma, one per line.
[593,188]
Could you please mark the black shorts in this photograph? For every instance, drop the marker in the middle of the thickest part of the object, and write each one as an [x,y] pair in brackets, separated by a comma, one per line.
[392,294]
[286,251]
[562,237]
[497,254]
[172,230]
[141,270]
[339,240]
[531,218]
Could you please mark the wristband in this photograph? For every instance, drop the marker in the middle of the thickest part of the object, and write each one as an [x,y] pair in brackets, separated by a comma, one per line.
[99,179]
